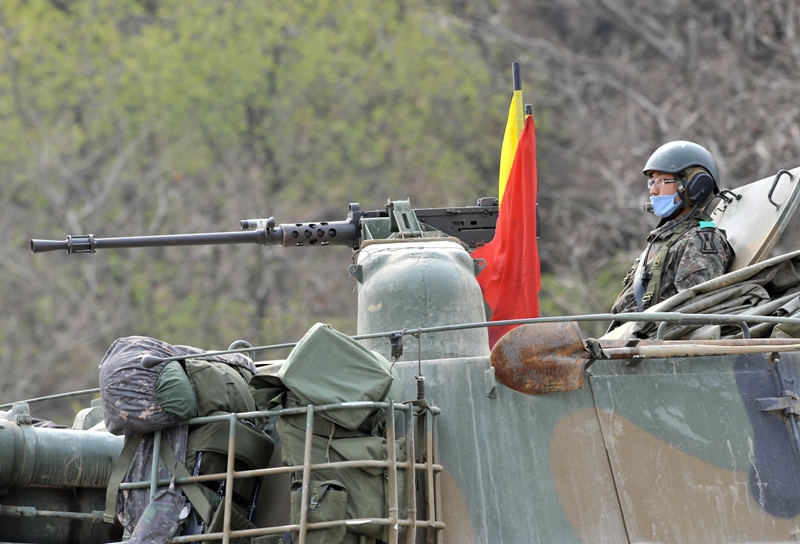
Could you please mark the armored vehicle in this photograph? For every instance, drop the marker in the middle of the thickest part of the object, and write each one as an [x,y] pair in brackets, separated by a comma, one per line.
[679,426]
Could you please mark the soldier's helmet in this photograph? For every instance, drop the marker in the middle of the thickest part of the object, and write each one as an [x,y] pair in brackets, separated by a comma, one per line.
[692,164]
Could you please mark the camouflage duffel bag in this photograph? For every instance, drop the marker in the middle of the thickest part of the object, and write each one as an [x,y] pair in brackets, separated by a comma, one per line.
[138,400]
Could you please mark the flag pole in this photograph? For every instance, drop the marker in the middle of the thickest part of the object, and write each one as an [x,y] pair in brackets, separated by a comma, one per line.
[515,124]
[518,110]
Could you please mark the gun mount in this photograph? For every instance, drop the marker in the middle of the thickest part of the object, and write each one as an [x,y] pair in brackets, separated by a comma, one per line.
[471,224]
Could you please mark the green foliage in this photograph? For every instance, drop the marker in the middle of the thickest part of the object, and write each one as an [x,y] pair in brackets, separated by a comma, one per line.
[563,294]
[123,117]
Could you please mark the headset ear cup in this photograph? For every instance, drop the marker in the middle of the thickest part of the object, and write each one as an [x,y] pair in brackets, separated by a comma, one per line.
[699,188]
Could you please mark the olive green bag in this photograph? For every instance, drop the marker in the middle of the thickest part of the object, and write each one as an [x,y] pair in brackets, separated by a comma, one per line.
[369,495]
[327,502]
[328,367]
[219,387]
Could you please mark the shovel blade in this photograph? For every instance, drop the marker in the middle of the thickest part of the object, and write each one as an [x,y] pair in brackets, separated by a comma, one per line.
[541,358]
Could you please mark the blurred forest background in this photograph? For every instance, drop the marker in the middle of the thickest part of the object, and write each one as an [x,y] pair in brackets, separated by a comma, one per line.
[129,117]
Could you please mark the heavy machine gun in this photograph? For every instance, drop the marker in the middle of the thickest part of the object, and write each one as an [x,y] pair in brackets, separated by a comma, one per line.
[471,224]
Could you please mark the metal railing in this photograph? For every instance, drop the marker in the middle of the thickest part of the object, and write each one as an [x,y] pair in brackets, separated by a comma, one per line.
[742,320]
[428,467]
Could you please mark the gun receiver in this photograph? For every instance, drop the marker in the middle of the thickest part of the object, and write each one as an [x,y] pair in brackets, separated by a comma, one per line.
[472,224]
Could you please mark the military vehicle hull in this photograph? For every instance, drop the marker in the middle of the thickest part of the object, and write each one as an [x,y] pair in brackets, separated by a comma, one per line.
[637,449]
[666,450]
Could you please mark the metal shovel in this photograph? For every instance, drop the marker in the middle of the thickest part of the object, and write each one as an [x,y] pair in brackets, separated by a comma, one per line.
[552,357]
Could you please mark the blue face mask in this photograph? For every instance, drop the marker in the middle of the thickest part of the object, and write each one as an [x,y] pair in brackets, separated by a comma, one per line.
[664,205]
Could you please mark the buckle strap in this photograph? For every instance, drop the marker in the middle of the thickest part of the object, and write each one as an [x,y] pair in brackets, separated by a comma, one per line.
[191,490]
[118,473]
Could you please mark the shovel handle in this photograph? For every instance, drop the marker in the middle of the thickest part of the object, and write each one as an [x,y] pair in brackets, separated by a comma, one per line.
[694,350]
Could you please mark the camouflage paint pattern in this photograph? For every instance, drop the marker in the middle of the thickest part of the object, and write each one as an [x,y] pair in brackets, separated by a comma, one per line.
[499,484]
[670,450]
[695,459]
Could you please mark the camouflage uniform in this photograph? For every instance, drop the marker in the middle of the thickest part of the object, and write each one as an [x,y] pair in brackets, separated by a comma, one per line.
[700,254]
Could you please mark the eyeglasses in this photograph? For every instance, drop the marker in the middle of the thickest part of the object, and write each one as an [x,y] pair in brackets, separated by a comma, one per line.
[658,182]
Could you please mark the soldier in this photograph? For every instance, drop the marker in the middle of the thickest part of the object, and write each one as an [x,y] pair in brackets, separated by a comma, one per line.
[686,248]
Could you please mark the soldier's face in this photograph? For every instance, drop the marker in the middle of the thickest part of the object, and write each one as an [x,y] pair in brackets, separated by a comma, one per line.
[659,188]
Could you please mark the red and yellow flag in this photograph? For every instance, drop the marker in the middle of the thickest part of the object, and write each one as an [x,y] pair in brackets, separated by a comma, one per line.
[510,281]
[514,126]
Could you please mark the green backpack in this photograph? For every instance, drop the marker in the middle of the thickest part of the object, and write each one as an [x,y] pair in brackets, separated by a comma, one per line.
[328,367]
[364,492]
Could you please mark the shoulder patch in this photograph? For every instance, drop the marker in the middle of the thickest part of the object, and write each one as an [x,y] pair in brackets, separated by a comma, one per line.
[706,225]
[707,239]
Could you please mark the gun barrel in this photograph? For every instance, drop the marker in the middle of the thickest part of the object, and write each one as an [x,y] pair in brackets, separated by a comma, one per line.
[292,234]
[87,243]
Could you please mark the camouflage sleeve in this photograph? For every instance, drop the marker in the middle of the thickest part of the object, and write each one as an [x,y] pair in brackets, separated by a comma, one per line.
[625,302]
[706,255]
